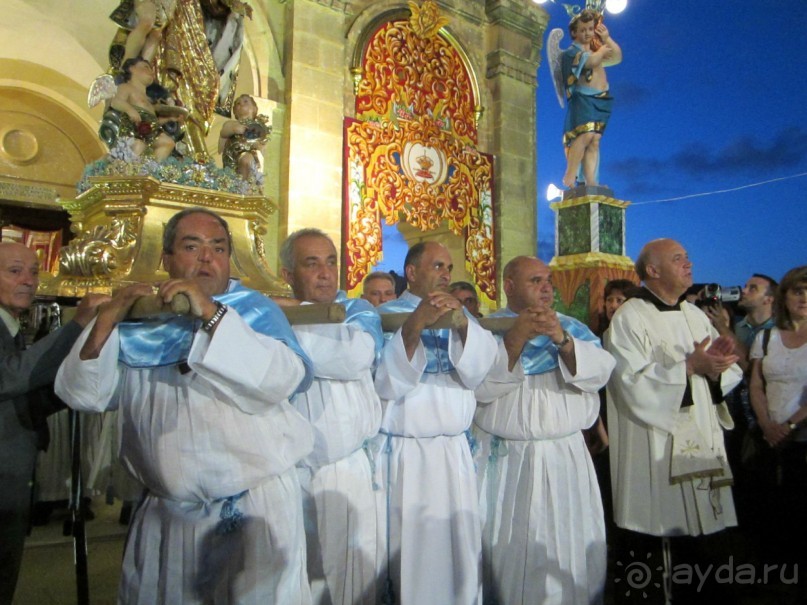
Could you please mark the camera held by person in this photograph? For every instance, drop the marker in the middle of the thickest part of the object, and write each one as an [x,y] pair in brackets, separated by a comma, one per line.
[714,295]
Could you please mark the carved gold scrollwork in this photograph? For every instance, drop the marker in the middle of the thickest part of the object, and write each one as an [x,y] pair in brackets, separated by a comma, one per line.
[107,249]
[412,149]
[257,229]
[426,19]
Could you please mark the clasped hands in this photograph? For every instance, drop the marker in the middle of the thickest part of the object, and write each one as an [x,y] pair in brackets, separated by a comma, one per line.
[712,360]
[431,308]
[532,322]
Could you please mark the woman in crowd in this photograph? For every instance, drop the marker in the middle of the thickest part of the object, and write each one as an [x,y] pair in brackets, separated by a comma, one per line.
[778,392]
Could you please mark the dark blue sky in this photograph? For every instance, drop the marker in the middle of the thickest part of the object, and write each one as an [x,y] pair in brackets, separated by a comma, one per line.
[710,96]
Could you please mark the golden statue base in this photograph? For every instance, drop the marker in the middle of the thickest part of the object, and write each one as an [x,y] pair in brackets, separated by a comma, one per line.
[118,225]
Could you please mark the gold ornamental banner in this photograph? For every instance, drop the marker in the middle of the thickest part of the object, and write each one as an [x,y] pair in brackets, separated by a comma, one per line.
[411,153]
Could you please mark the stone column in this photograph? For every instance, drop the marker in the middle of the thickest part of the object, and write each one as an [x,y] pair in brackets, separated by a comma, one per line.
[513,45]
[315,78]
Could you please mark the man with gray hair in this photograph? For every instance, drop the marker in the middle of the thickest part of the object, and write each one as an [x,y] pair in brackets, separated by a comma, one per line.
[666,409]
[25,373]
[343,408]
[378,288]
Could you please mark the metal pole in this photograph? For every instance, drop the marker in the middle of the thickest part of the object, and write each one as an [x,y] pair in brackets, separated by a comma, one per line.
[77,514]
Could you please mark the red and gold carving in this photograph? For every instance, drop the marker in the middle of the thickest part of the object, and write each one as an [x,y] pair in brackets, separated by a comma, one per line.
[411,153]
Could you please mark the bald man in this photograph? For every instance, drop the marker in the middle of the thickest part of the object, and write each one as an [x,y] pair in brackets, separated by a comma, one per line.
[542,505]
[24,372]
[666,409]
[426,380]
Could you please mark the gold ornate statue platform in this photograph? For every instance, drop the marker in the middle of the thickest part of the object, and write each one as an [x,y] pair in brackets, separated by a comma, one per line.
[118,226]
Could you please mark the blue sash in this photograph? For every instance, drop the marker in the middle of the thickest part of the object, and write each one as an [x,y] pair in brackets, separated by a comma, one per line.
[146,344]
[435,342]
[540,355]
[360,312]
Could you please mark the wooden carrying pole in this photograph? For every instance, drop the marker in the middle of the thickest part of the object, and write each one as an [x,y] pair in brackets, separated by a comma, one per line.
[153,307]
[390,322]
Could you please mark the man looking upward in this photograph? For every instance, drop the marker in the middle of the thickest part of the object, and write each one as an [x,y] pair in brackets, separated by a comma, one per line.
[666,413]
[426,380]
[757,302]
[205,426]
[344,411]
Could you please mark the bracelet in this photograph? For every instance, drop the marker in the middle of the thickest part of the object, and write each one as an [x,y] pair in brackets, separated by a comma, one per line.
[211,323]
[566,340]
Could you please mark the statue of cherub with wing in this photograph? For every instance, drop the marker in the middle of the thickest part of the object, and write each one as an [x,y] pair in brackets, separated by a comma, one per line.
[578,74]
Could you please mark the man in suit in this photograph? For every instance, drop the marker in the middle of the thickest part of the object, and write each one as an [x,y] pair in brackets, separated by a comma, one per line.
[23,372]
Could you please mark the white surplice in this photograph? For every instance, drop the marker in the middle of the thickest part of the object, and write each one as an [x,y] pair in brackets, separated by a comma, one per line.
[337,479]
[194,440]
[428,470]
[544,534]
[644,410]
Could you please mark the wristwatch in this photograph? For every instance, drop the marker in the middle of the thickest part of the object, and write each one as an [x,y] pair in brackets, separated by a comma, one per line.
[566,340]
[211,323]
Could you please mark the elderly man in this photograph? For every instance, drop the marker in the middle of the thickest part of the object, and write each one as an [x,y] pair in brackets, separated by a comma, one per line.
[378,288]
[544,535]
[23,373]
[465,292]
[426,380]
[205,426]
[666,413]
[344,410]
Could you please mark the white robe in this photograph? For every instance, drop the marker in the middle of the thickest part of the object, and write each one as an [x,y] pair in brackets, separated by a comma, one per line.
[644,408]
[194,439]
[543,540]
[428,470]
[54,466]
[339,500]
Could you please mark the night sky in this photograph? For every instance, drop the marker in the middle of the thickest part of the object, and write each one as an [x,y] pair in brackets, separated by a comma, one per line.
[709,98]
[709,103]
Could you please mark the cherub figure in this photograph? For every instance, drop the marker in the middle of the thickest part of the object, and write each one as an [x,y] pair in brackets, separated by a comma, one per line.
[139,119]
[142,23]
[242,140]
[582,70]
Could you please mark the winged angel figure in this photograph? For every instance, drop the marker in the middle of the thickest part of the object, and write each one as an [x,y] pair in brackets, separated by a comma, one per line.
[553,54]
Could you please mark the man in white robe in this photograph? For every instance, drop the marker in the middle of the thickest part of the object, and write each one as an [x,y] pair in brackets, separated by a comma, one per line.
[206,427]
[666,413]
[425,380]
[344,410]
[543,540]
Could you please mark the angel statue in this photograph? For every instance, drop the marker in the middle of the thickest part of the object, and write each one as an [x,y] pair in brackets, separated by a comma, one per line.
[141,125]
[242,140]
[579,77]
[194,47]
